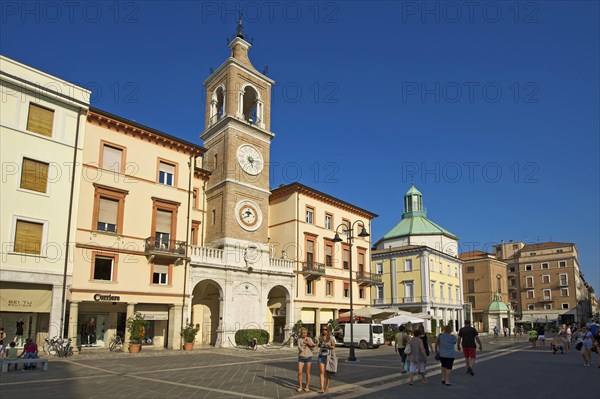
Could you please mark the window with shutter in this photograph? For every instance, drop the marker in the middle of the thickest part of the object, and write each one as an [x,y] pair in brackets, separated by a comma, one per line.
[346,259]
[310,250]
[34,175]
[109,206]
[160,274]
[163,228]
[112,158]
[328,255]
[108,210]
[28,237]
[166,173]
[40,120]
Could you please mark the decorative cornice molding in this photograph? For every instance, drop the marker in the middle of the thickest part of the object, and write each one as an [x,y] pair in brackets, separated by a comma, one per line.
[326,198]
[145,134]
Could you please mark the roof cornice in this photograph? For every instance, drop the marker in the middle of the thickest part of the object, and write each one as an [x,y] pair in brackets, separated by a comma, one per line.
[134,129]
[321,196]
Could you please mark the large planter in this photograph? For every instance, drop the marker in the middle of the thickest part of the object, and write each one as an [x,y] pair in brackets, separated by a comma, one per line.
[188,346]
[135,348]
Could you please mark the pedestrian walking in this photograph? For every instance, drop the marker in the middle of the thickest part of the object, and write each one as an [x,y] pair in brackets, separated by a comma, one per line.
[496,331]
[505,330]
[541,331]
[597,343]
[400,341]
[585,339]
[417,357]
[569,338]
[444,348]
[468,336]
[533,337]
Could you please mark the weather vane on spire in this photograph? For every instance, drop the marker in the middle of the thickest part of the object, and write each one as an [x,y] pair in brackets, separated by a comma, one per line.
[240,26]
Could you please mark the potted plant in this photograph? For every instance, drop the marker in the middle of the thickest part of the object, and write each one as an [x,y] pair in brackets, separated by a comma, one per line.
[188,334]
[136,325]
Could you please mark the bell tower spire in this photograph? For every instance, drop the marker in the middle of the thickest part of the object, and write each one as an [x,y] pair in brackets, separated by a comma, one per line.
[237,137]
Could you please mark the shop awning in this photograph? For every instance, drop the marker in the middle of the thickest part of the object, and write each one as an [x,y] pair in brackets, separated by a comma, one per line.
[23,297]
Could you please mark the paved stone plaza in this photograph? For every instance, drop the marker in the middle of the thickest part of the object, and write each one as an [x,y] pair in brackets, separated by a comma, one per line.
[504,370]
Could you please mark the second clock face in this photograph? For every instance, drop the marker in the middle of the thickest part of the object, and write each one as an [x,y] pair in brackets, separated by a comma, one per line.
[248,215]
[250,159]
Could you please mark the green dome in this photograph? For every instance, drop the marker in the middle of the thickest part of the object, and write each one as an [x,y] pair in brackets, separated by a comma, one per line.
[497,307]
[415,224]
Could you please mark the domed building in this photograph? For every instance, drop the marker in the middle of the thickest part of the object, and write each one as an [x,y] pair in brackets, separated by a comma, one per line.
[497,313]
[420,270]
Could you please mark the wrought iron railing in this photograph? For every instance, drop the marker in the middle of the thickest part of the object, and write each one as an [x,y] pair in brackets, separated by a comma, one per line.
[156,245]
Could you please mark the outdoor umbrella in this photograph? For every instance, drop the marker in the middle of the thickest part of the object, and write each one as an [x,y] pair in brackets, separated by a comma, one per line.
[370,312]
[403,319]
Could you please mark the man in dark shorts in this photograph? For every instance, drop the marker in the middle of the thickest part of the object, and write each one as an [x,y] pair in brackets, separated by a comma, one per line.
[400,341]
[468,336]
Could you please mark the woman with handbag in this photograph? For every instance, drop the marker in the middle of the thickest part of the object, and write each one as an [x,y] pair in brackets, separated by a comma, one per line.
[305,346]
[416,356]
[444,352]
[326,344]
[585,338]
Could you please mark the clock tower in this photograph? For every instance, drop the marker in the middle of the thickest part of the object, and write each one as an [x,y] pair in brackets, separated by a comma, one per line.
[237,137]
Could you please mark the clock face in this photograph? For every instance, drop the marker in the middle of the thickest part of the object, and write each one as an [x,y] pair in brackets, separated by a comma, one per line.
[248,215]
[250,159]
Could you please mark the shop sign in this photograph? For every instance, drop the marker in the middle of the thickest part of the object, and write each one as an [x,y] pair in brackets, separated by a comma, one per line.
[104,297]
[155,315]
[19,304]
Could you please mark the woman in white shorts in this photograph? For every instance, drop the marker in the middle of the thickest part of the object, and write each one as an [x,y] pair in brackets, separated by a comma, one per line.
[585,337]
[417,357]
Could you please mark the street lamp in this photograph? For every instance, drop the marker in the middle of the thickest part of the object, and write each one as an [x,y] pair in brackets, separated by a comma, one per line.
[350,239]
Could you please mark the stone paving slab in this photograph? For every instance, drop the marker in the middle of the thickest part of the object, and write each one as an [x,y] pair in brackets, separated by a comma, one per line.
[504,369]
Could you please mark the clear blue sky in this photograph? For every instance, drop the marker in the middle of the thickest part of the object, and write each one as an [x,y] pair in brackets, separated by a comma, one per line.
[492,106]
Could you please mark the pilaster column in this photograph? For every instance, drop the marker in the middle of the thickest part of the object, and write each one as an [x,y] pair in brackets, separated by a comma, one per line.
[393,280]
[73,322]
[130,312]
[173,332]
[317,321]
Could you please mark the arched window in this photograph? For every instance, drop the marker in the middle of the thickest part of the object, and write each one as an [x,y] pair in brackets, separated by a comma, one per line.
[217,105]
[250,105]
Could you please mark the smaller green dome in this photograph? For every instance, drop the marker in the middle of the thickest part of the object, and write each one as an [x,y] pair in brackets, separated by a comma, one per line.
[497,307]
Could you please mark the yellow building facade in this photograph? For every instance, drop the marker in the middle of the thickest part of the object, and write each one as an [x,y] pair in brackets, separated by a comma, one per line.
[302,225]
[139,211]
[42,130]
[419,268]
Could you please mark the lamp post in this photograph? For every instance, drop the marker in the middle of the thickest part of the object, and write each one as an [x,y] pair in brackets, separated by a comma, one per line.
[350,239]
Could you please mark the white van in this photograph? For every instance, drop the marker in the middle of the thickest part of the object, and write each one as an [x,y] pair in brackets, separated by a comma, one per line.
[365,335]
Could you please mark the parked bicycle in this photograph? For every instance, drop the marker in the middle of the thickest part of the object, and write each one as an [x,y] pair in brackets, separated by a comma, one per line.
[116,344]
[58,347]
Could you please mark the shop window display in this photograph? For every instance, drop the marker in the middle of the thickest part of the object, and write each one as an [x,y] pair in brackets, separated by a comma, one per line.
[92,329]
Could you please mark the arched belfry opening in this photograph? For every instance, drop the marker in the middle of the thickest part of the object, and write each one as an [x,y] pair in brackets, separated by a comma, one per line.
[251,107]
[217,110]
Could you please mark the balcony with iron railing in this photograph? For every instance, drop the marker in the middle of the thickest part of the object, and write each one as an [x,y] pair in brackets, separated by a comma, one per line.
[313,270]
[368,278]
[159,248]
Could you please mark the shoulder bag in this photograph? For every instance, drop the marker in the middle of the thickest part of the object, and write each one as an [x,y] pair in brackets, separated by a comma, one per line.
[332,363]
[408,349]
